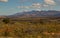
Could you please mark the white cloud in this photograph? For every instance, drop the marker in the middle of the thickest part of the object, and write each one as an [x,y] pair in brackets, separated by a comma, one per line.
[45,5]
[3,0]
[50,2]
[27,7]
[34,6]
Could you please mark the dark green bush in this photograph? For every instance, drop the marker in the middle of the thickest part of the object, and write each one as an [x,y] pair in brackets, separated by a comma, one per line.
[6,20]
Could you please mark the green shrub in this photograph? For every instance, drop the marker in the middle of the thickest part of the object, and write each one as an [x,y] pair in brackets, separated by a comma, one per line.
[6,20]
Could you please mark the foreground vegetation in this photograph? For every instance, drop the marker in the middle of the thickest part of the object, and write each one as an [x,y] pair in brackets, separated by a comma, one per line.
[42,28]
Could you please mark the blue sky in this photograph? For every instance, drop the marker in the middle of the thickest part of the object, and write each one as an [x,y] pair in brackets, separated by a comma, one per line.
[8,7]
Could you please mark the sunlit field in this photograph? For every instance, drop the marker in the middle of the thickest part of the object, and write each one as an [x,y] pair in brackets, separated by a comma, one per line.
[30,28]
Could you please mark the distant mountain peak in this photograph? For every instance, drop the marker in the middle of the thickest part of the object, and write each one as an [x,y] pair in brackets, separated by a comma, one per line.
[34,13]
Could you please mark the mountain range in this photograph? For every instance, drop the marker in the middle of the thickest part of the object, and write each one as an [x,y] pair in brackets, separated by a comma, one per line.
[49,13]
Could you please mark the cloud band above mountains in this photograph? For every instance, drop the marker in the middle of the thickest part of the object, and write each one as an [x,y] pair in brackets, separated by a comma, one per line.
[34,5]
